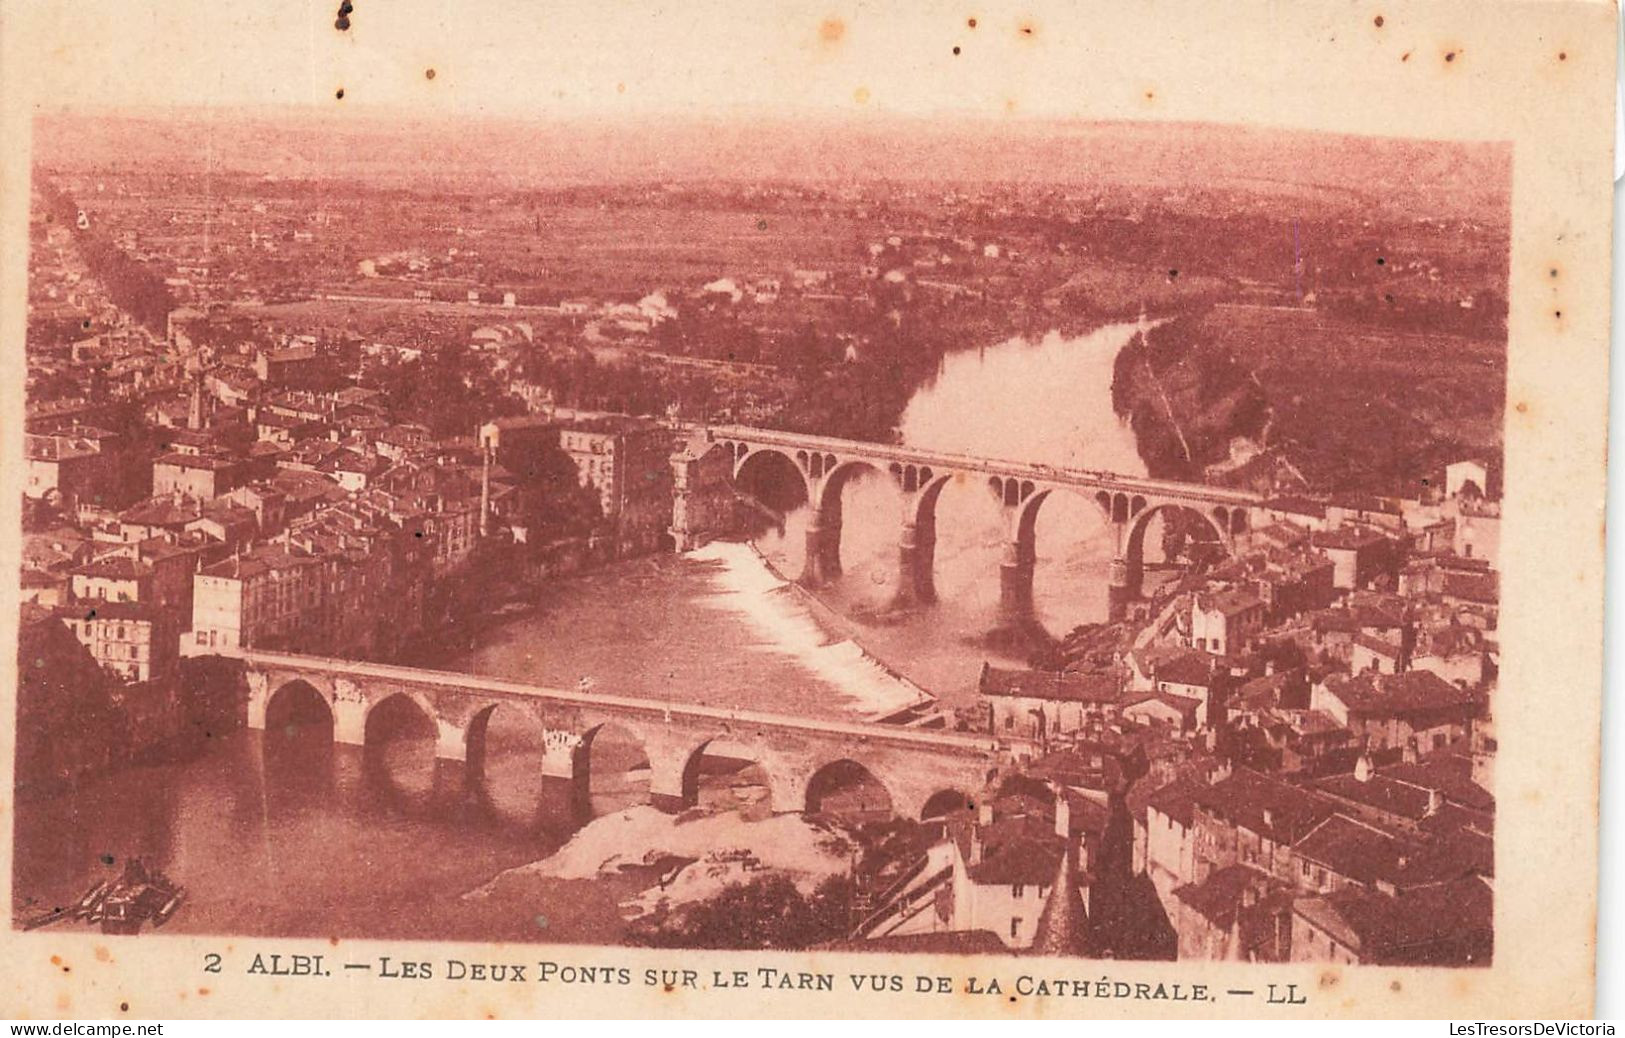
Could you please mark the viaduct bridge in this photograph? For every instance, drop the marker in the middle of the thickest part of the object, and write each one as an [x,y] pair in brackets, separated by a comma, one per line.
[919,768]
[1128,504]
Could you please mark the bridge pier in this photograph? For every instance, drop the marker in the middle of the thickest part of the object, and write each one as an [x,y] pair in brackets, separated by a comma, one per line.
[823,558]
[1124,587]
[1016,586]
[454,787]
[916,562]
[666,791]
[350,723]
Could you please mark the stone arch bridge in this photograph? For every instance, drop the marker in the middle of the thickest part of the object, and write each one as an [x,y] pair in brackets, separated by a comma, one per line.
[1127,503]
[916,766]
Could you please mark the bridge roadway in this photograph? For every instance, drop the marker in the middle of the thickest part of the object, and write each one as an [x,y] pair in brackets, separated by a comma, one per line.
[915,766]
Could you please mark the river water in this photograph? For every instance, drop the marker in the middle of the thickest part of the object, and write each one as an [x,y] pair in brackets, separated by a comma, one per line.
[285,834]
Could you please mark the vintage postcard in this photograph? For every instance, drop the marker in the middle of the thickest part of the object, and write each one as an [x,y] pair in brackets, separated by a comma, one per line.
[724,509]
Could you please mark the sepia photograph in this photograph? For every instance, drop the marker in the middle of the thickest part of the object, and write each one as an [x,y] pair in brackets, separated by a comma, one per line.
[979,535]
[675,543]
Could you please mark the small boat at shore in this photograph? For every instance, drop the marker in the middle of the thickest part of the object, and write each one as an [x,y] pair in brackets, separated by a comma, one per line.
[121,905]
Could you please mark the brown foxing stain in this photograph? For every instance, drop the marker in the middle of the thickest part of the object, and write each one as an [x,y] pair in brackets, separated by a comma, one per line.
[428,73]
[1027,29]
[831,30]
[102,954]
[63,1002]
[861,95]
[1377,21]
[1450,56]
[338,95]
[620,88]
[1009,106]
[342,21]
[1405,56]
[1522,407]
[203,992]
[1330,978]
[1395,986]
[334,941]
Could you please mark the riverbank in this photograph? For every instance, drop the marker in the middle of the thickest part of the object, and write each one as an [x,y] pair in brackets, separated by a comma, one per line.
[1407,401]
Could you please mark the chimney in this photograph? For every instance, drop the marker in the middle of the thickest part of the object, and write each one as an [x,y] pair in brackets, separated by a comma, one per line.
[1435,801]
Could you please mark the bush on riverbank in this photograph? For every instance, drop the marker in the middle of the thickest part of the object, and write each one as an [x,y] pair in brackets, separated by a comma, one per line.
[766,912]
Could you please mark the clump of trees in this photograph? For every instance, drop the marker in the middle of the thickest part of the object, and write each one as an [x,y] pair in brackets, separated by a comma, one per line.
[766,912]
[447,392]
[554,500]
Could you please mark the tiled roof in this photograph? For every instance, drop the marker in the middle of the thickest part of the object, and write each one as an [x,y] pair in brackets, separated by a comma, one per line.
[1355,850]
[1265,805]
[1052,685]
[1396,695]
[1188,668]
[1445,925]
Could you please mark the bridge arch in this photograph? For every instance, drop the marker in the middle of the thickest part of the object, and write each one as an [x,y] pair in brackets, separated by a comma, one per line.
[506,767]
[400,739]
[823,556]
[836,480]
[1018,609]
[1027,519]
[297,703]
[397,702]
[849,787]
[1216,522]
[707,759]
[945,803]
[774,478]
[617,744]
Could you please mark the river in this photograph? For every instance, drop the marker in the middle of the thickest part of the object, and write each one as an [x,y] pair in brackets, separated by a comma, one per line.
[285,834]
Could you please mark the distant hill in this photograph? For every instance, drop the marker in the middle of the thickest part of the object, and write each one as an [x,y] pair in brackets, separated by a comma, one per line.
[1442,179]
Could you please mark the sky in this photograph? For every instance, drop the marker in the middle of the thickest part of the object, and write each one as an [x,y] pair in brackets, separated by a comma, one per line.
[1124,59]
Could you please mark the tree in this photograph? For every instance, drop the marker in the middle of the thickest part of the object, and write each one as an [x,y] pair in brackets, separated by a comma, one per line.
[767,912]
[554,501]
[67,721]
